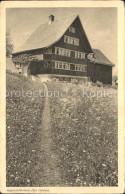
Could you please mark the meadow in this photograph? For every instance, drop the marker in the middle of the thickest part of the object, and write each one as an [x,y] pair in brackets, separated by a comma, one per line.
[23,129]
[85,132]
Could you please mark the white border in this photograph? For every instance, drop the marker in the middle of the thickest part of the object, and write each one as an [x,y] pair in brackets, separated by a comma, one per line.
[16,4]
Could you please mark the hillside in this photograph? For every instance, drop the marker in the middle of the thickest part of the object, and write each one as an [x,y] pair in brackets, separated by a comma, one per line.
[10,65]
[85,132]
[66,138]
[23,127]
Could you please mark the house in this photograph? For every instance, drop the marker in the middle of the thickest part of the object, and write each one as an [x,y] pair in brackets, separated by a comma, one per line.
[60,49]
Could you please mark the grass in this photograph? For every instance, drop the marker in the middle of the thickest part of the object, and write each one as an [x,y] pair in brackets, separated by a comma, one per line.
[85,134]
[23,121]
[83,128]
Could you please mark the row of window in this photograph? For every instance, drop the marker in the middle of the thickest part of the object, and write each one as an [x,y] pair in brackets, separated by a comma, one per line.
[62,65]
[79,55]
[62,51]
[79,67]
[68,66]
[69,53]
[71,40]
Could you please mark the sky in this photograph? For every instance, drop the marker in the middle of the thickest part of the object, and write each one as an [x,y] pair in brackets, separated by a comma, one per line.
[100,25]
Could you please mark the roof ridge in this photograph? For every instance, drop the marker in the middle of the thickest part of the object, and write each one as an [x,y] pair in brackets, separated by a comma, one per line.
[75,15]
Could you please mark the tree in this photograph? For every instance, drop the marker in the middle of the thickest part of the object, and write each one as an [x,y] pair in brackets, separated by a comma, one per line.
[9,45]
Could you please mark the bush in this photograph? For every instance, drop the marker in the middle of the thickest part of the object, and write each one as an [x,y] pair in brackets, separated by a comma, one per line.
[99,84]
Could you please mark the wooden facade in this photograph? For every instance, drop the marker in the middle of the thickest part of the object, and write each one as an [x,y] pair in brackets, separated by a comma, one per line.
[99,72]
[67,56]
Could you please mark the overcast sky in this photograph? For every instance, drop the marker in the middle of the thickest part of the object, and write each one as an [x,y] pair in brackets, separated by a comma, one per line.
[100,25]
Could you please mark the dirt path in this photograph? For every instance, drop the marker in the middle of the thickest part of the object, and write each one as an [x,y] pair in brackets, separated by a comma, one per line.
[50,174]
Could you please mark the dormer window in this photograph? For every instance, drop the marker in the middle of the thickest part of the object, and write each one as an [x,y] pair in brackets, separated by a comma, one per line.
[71,29]
[91,55]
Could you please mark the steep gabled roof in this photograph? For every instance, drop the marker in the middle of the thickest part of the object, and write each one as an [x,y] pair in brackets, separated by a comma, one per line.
[47,34]
[100,58]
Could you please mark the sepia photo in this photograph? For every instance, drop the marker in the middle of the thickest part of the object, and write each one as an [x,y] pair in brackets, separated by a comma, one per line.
[62,101]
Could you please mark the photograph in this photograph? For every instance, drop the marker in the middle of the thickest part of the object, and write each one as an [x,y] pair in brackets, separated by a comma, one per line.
[61,87]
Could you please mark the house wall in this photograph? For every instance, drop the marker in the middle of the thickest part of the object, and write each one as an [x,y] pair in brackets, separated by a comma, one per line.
[72,60]
[84,45]
[99,72]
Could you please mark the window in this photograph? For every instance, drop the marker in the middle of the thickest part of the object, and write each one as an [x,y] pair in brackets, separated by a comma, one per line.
[76,54]
[60,65]
[83,55]
[49,50]
[83,68]
[77,42]
[91,55]
[71,29]
[56,50]
[71,40]
[69,53]
[66,39]
[65,52]
[67,66]
[79,55]
[62,51]
[79,67]
[64,65]
[56,65]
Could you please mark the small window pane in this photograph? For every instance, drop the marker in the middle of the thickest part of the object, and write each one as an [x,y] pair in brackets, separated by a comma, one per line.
[83,55]
[60,65]
[64,52]
[68,66]
[65,38]
[56,65]
[76,54]
[57,51]
[71,29]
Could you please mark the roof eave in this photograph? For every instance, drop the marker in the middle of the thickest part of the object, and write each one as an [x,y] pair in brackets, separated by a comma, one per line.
[28,50]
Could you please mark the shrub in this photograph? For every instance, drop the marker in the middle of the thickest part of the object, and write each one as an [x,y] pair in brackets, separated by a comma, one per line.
[99,84]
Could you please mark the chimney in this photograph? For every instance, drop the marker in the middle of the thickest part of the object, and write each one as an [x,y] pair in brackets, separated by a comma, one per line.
[51,19]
